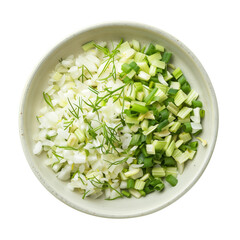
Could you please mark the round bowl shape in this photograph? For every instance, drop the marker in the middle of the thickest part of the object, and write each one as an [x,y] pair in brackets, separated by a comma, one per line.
[119,208]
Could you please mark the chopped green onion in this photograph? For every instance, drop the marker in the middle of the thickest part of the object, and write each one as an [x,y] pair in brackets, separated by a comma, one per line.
[186,87]
[171,66]
[122,74]
[151,95]
[135,141]
[140,96]
[151,84]
[132,120]
[172,180]
[126,194]
[131,74]
[152,70]
[197,133]
[145,177]
[88,45]
[160,96]
[172,91]
[143,66]
[159,145]
[172,170]
[193,145]
[132,172]
[136,45]
[150,149]
[155,56]
[182,80]
[134,66]
[178,143]
[180,98]
[167,140]
[175,127]
[143,49]
[177,73]
[202,113]
[126,68]
[159,48]
[172,108]
[144,125]
[144,151]
[179,156]
[164,114]
[139,185]
[159,187]
[127,80]
[150,130]
[166,57]
[139,57]
[170,149]
[138,86]
[191,153]
[142,192]
[162,124]
[151,49]
[159,64]
[135,193]
[130,183]
[168,76]
[139,108]
[184,112]
[148,162]
[158,172]
[185,137]
[175,85]
[193,95]
[169,162]
[187,127]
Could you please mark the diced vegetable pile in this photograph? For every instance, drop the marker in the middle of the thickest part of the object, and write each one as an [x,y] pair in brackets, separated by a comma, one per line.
[119,119]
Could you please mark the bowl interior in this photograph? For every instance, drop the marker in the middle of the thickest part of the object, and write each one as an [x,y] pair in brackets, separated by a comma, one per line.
[195,74]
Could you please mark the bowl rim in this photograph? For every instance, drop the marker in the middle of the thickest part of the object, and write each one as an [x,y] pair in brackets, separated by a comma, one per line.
[111,24]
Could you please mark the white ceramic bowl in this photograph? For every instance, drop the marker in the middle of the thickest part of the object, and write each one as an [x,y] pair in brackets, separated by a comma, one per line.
[119,208]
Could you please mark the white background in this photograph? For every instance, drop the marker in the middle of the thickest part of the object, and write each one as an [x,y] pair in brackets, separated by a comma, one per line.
[211,209]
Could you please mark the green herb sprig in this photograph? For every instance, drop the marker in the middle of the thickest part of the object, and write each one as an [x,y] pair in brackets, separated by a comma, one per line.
[117,162]
[75,111]
[58,157]
[103,185]
[110,141]
[48,100]
[82,76]
[68,124]
[110,59]
[111,93]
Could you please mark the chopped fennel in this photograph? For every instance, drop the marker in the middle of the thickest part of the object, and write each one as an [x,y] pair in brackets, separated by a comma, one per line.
[116,121]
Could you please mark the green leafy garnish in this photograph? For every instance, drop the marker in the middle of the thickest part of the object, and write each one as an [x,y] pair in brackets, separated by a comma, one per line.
[67,124]
[103,185]
[75,110]
[117,162]
[110,139]
[110,59]
[82,76]
[67,147]
[48,100]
